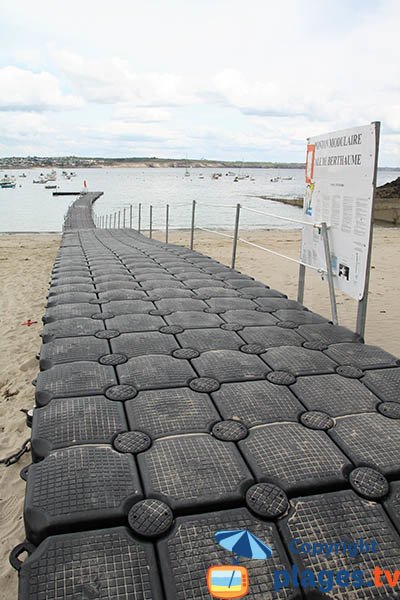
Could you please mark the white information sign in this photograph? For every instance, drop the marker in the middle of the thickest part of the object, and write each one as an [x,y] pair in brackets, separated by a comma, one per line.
[340,171]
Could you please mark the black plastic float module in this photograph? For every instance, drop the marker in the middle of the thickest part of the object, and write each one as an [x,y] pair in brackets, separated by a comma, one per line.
[177,397]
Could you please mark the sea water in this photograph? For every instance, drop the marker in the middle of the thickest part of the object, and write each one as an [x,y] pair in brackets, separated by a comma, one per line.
[30,207]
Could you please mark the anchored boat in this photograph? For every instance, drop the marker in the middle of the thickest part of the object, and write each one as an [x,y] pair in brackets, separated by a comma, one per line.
[52,176]
[41,179]
[8,181]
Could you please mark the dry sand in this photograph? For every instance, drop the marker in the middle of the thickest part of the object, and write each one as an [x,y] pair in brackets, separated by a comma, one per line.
[25,264]
[383,319]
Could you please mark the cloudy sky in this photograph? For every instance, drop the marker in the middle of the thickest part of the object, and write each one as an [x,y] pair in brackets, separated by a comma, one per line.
[219,79]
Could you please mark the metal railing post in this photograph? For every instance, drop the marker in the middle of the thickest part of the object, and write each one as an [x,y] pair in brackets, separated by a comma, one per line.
[130,216]
[151,222]
[115,219]
[123,222]
[139,217]
[119,219]
[331,285]
[106,221]
[102,222]
[301,283]
[192,225]
[166,223]
[235,236]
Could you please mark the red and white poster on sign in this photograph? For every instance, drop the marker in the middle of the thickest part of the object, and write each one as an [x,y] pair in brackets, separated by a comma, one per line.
[310,163]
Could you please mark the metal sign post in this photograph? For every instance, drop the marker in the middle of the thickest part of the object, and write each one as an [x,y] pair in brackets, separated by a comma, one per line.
[363,303]
[301,283]
[235,236]
[331,285]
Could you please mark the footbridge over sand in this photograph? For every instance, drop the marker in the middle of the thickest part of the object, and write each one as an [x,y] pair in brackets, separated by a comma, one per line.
[178,397]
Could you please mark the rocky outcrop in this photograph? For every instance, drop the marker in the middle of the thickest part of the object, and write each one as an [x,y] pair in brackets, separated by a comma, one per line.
[387,203]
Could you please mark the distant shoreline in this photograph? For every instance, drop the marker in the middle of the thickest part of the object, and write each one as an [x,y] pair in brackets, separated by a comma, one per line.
[74,162]
[150,163]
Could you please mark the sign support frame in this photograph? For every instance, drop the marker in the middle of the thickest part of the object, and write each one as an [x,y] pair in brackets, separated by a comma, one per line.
[363,303]
[301,283]
[331,284]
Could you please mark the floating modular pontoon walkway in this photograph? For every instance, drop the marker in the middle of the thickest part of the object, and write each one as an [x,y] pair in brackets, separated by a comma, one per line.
[178,397]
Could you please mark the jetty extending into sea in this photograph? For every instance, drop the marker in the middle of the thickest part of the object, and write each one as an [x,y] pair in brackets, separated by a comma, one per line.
[178,397]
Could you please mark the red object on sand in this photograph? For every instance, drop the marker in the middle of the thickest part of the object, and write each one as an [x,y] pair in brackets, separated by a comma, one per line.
[28,323]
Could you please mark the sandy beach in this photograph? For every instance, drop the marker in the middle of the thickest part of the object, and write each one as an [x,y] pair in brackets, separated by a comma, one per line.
[383,328]
[25,264]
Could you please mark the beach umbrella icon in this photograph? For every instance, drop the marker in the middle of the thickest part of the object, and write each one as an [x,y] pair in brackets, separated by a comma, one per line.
[243,543]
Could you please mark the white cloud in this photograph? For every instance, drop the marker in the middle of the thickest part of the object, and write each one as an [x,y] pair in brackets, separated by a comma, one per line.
[113,81]
[24,133]
[22,125]
[131,113]
[206,77]
[21,89]
[268,97]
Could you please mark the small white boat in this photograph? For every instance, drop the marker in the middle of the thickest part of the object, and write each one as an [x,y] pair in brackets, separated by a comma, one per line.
[52,176]
[41,179]
[275,179]
[8,181]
